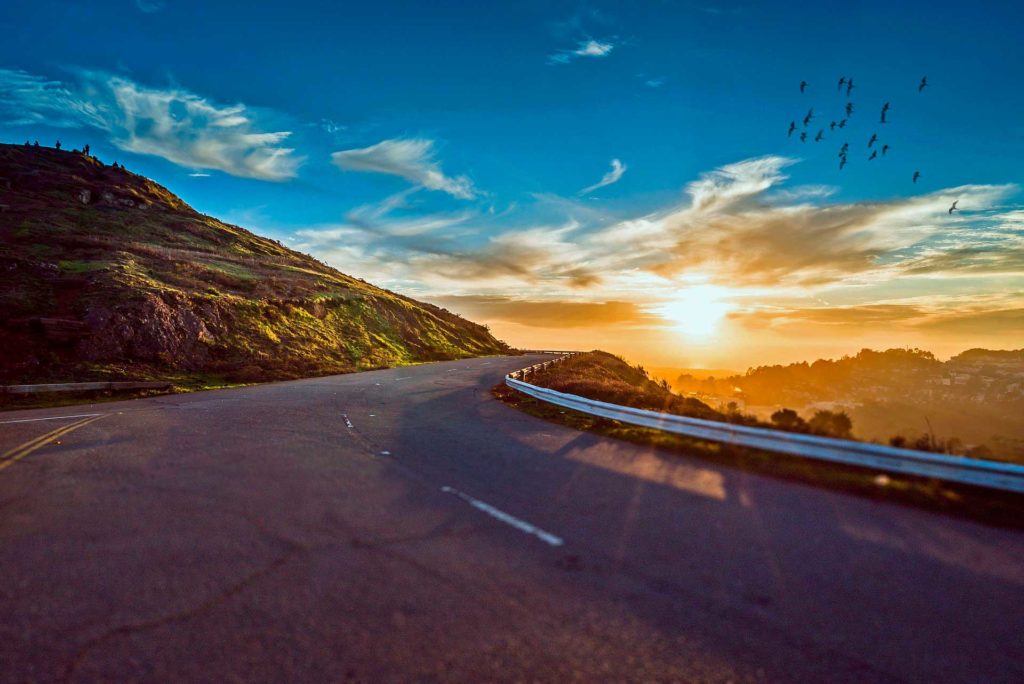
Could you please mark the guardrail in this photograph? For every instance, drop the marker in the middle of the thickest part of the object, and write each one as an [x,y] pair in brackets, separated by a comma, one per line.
[992,474]
[81,387]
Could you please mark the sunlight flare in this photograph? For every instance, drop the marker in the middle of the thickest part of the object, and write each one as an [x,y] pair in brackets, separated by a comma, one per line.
[696,311]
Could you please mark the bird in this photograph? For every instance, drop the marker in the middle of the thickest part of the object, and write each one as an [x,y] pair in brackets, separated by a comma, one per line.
[924,84]
[832,126]
[803,136]
[874,139]
[882,119]
[842,123]
[849,86]
[885,108]
[885,148]
[842,163]
[803,86]
[849,109]
[810,115]
[844,149]
[792,127]
[917,174]
[874,153]
[954,207]
[842,81]
[820,136]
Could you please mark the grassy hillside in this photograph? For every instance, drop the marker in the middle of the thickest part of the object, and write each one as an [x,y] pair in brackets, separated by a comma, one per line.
[105,274]
[605,377]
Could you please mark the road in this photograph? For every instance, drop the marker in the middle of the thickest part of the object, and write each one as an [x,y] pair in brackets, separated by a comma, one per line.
[402,525]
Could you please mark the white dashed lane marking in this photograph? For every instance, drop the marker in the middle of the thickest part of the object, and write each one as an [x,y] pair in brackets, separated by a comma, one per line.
[506,518]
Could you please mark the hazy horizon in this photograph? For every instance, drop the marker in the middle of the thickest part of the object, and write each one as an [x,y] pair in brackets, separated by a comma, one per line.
[582,175]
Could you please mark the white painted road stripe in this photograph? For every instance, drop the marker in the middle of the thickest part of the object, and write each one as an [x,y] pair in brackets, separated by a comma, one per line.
[32,420]
[504,517]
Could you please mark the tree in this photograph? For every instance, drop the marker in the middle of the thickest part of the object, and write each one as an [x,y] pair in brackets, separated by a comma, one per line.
[832,424]
[788,419]
[979,451]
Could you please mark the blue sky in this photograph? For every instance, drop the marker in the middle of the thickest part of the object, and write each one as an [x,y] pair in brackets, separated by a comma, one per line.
[486,156]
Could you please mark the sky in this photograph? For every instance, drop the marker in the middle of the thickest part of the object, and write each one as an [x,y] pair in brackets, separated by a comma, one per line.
[582,174]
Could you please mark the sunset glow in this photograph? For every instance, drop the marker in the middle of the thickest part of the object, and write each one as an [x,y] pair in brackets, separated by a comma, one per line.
[605,182]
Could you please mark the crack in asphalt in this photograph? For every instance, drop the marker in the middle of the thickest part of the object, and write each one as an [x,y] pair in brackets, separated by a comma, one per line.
[125,630]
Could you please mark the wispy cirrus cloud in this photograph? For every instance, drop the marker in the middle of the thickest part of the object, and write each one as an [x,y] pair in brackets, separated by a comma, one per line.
[150,6]
[172,123]
[613,176]
[410,158]
[738,229]
[585,48]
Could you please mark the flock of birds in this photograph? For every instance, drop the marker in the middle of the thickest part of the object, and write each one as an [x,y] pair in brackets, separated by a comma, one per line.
[844,151]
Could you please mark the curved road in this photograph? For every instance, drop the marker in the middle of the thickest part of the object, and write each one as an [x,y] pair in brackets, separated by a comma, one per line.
[401,525]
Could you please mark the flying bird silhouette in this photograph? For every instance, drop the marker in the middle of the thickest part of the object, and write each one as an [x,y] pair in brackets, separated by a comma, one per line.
[810,115]
[842,163]
[953,208]
[792,127]
[885,108]
[874,139]
[832,126]
[917,174]
[924,84]
[803,86]
[849,87]
[842,82]
[885,148]
[845,148]
[849,109]
[803,136]
[820,136]
[874,153]
[842,123]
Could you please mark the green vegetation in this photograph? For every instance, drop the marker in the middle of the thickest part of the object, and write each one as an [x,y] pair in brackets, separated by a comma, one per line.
[107,275]
[604,377]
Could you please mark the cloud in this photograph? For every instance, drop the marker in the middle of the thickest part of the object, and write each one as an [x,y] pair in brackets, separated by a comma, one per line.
[409,158]
[150,6]
[613,176]
[585,48]
[559,313]
[198,174]
[738,228]
[171,123]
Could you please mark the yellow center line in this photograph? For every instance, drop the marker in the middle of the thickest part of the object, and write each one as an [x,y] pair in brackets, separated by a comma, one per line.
[20,452]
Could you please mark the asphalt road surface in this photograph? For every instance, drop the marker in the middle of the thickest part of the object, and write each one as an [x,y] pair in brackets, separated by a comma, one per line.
[402,525]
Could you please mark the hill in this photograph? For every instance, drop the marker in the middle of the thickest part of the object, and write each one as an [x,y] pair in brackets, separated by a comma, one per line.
[975,398]
[107,275]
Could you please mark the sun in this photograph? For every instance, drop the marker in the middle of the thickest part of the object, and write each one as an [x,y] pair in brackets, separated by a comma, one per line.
[696,311]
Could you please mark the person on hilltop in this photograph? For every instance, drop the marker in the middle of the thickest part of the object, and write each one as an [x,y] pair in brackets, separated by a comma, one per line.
[57,145]
[85,150]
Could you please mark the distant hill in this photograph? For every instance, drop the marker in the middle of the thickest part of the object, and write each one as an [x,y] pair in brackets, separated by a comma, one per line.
[976,397]
[671,373]
[105,274]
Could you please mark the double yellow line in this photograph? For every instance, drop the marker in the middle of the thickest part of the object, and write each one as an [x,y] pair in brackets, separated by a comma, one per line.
[20,452]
